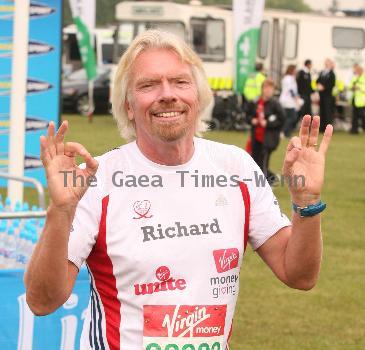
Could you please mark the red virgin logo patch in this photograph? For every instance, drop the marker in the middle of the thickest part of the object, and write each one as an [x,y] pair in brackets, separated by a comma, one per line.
[142,209]
[178,321]
[226,259]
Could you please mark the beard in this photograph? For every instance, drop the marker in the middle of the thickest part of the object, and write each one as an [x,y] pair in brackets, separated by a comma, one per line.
[171,132]
[174,130]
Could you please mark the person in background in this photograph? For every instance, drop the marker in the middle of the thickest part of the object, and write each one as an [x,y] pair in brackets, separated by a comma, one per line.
[357,85]
[305,90]
[289,99]
[325,84]
[252,87]
[267,119]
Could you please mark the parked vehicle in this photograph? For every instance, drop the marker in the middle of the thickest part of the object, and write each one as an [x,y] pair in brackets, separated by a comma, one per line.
[285,38]
[75,91]
[103,45]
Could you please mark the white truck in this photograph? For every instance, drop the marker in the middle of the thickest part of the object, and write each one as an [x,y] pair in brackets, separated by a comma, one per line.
[285,38]
[103,44]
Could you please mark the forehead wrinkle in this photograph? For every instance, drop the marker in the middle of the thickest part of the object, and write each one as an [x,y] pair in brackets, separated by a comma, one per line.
[185,71]
[159,77]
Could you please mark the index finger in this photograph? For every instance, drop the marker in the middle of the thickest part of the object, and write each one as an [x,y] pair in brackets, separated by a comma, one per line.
[74,148]
[61,131]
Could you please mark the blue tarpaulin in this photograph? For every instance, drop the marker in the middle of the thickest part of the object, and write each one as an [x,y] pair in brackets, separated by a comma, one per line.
[21,330]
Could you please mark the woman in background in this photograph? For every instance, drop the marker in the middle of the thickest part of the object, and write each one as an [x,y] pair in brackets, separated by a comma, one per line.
[267,119]
[289,99]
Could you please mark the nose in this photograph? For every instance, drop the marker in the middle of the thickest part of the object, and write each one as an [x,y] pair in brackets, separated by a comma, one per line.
[167,94]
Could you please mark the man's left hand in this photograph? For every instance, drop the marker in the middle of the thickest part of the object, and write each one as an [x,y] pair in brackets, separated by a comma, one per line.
[304,165]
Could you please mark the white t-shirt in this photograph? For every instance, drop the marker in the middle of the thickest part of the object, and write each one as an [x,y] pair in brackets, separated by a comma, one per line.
[164,246]
[289,92]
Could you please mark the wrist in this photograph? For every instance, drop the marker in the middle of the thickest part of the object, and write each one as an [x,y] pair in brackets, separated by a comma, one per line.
[310,210]
[67,210]
[304,200]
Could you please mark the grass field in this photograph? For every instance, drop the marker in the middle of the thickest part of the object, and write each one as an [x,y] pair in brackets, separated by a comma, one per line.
[269,315]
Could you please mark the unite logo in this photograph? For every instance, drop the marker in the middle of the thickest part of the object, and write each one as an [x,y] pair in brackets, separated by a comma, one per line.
[226,259]
[165,283]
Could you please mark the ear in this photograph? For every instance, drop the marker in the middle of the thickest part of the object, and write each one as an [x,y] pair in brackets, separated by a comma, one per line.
[129,109]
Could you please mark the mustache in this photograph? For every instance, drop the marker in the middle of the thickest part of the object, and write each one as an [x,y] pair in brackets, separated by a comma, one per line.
[168,107]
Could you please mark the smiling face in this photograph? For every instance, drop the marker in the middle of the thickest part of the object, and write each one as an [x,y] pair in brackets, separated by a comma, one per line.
[162,97]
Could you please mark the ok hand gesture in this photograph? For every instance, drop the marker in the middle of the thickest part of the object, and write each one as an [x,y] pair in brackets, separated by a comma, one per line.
[59,161]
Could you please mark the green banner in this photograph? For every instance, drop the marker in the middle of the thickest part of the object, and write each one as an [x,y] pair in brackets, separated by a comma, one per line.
[87,53]
[247,15]
[246,56]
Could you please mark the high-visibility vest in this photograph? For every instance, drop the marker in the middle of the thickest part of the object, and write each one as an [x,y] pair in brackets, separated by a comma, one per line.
[359,92]
[253,85]
[314,84]
[338,88]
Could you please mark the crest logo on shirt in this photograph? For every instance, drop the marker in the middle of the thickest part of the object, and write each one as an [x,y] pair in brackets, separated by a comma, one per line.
[221,201]
[165,283]
[226,259]
[142,209]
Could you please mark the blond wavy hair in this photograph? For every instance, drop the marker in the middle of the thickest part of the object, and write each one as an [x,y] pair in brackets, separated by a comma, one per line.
[157,39]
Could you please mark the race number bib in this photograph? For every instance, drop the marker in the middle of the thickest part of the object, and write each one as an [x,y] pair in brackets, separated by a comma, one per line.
[184,327]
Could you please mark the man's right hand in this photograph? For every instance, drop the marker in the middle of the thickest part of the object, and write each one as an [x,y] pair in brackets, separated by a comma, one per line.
[58,158]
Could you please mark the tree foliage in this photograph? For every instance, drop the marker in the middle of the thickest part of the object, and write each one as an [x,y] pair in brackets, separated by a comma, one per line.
[293,5]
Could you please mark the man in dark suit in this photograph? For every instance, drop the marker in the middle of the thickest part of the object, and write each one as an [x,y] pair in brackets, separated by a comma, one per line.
[305,90]
[325,83]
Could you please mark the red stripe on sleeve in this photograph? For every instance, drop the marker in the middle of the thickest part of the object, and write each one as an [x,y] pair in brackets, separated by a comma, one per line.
[101,267]
[247,204]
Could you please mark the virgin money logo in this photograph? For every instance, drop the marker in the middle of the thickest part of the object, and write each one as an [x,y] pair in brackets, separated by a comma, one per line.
[226,259]
[165,283]
[178,321]
[142,209]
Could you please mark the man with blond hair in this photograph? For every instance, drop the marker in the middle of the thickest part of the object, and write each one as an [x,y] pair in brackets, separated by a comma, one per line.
[162,222]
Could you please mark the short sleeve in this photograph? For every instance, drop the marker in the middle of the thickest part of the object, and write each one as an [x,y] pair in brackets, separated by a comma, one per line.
[266,217]
[85,227]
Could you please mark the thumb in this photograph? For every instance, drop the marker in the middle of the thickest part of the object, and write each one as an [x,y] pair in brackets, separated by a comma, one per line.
[290,158]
